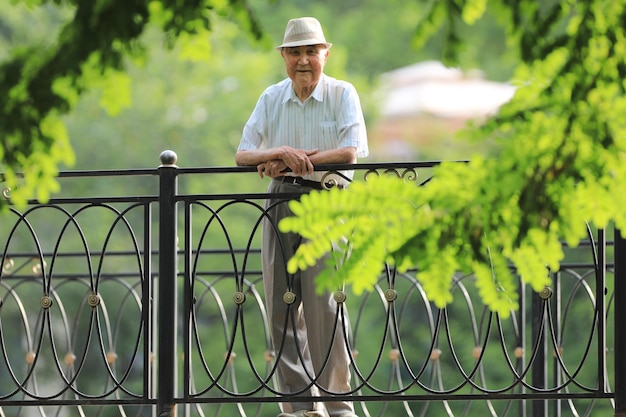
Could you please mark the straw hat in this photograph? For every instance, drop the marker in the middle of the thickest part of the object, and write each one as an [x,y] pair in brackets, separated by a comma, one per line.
[304,31]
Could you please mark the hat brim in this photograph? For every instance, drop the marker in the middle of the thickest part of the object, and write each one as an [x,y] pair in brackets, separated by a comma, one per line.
[305,42]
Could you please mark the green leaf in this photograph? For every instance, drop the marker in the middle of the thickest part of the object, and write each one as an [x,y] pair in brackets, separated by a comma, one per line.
[473,10]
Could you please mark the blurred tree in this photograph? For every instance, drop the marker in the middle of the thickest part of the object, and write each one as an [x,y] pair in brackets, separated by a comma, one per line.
[561,163]
[42,81]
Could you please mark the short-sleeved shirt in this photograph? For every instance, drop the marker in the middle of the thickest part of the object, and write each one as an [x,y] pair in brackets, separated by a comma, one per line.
[330,118]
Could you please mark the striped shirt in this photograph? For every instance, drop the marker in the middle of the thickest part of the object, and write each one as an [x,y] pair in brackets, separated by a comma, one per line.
[330,118]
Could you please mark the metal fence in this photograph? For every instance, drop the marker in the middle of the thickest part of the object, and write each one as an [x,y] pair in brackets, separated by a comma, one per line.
[143,305]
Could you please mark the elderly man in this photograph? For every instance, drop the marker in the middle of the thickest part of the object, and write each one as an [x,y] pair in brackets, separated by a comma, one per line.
[307,119]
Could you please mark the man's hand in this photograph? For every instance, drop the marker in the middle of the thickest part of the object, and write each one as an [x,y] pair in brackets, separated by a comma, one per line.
[272,168]
[297,160]
[276,168]
[260,169]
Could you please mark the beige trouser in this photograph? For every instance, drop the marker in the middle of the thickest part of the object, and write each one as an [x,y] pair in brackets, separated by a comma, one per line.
[303,331]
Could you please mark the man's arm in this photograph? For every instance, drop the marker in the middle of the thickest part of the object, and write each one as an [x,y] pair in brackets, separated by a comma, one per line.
[345,155]
[296,159]
[272,162]
[277,167]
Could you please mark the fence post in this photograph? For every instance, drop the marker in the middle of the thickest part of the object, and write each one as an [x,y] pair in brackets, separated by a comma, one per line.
[539,366]
[167,296]
[619,313]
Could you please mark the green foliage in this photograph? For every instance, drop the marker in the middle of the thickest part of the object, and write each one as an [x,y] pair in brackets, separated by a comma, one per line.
[562,142]
[40,83]
[344,214]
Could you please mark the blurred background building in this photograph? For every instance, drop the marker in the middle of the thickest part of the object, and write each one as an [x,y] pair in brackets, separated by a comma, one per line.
[425,104]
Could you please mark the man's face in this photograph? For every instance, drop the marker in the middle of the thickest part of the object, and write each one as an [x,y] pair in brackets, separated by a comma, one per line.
[305,64]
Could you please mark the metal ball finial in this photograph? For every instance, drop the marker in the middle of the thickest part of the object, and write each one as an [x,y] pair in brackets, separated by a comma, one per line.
[168,157]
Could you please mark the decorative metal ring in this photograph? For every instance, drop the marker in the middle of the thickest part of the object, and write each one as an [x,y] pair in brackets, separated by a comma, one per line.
[69,358]
[435,354]
[111,357]
[8,264]
[269,355]
[546,293]
[230,357]
[46,302]
[37,268]
[392,171]
[391,295]
[93,300]
[6,193]
[370,172]
[340,297]
[410,174]
[289,297]
[558,352]
[239,298]
[331,183]
[477,351]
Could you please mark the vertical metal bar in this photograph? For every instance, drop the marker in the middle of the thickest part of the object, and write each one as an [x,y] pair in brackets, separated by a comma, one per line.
[601,309]
[557,320]
[147,312]
[539,365]
[187,309]
[620,325]
[523,406]
[167,297]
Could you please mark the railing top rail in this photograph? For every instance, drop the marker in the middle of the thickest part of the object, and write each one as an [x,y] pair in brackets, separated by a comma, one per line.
[243,169]
[107,173]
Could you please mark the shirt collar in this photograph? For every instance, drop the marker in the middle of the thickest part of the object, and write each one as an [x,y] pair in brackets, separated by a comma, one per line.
[317,94]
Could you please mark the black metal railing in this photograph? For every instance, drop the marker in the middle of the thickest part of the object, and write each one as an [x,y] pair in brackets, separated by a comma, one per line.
[153,305]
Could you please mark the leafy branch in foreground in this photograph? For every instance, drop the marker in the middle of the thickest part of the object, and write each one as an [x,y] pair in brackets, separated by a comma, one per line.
[561,163]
